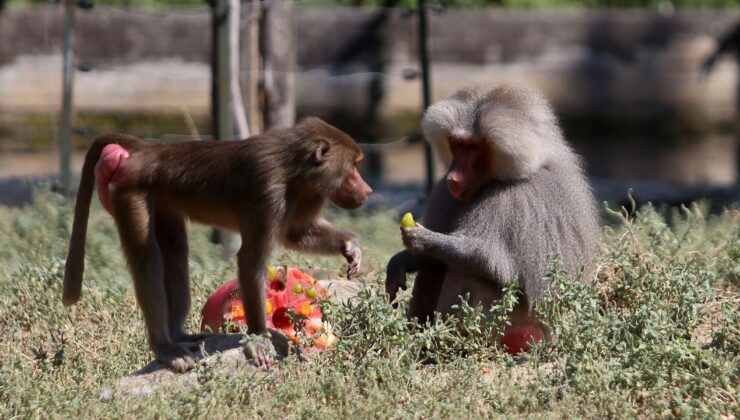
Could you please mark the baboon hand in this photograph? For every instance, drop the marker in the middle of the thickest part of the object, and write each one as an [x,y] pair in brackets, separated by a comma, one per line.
[418,240]
[351,251]
[395,277]
[259,350]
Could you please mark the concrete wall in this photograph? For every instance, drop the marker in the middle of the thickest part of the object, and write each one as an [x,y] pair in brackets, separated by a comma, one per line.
[614,63]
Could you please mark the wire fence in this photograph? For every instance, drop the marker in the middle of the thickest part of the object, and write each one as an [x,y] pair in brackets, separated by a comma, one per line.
[158,86]
[112,87]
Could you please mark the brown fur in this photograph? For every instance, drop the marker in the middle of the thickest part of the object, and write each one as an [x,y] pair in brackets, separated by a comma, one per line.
[271,188]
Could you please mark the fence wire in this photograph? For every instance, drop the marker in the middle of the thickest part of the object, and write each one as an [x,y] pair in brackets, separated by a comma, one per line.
[196,74]
[184,84]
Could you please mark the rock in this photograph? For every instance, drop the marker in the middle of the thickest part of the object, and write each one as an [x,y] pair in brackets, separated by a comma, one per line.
[341,290]
[222,352]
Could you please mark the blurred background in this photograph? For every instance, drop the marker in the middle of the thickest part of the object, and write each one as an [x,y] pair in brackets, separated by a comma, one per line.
[647,91]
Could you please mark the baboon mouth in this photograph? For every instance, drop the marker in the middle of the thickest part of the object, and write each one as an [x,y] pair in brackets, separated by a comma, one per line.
[464,195]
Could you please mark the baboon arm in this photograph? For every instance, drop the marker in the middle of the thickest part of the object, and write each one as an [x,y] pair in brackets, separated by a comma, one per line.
[411,263]
[403,263]
[487,259]
[319,237]
[322,237]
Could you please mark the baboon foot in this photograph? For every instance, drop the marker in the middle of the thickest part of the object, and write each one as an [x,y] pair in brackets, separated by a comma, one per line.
[259,351]
[176,356]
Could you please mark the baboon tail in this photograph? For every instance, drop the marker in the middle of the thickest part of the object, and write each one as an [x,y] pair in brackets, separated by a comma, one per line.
[75,265]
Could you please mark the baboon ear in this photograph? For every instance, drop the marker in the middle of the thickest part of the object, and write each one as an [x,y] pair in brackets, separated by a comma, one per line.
[319,153]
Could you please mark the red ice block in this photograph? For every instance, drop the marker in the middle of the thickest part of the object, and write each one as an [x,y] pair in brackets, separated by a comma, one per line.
[293,292]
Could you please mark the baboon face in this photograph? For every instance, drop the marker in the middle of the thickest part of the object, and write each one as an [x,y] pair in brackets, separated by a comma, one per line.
[471,163]
[334,156]
[353,191]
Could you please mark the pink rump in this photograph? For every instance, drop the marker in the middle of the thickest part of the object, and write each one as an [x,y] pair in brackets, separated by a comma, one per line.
[108,171]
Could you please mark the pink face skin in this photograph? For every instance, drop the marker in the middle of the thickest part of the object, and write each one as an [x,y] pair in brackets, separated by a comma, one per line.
[471,162]
[353,193]
[109,173]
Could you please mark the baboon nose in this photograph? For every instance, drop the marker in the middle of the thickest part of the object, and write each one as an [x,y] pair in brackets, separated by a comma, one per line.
[457,188]
[365,188]
[454,185]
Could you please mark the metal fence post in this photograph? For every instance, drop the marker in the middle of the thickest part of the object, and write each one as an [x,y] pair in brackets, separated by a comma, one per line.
[425,86]
[222,119]
[67,80]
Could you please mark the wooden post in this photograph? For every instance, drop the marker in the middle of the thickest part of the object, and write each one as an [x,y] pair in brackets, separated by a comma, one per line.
[67,81]
[255,67]
[278,53]
[425,81]
[221,68]
[221,111]
[242,127]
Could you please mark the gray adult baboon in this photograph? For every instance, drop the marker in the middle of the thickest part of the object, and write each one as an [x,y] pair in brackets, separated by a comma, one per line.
[514,193]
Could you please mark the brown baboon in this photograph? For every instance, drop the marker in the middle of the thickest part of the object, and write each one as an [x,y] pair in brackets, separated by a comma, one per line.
[270,188]
[514,193]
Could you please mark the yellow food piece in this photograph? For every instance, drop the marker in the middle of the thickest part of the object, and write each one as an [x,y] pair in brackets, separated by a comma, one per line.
[408,220]
[298,289]
[268,307]
[311,293]
[331,341]
[271,272]
[326,341]
[305,309]
[237,311]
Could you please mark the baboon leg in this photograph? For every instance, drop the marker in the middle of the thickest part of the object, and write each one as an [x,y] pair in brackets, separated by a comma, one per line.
[134,215]
[252,259]
[425,294]
[173,243]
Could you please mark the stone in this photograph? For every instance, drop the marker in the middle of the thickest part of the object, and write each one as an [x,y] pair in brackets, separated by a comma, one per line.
[219,351]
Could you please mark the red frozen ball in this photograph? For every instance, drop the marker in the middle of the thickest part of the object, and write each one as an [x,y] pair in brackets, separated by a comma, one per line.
[518,338]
